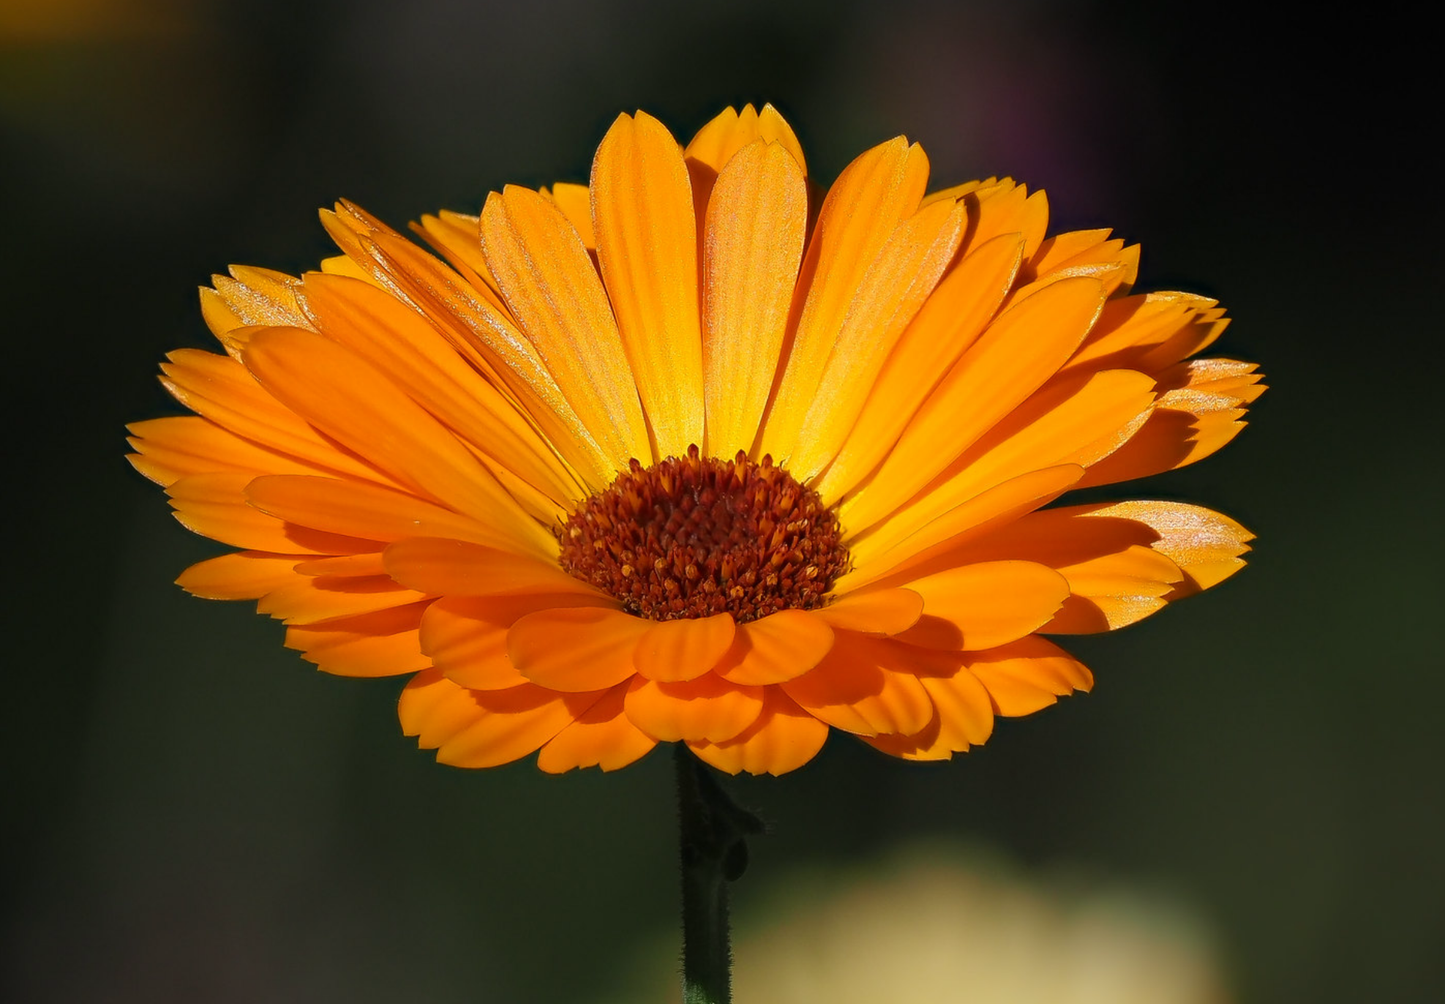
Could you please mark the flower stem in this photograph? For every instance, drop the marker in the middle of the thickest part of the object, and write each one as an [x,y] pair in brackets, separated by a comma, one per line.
[713,834]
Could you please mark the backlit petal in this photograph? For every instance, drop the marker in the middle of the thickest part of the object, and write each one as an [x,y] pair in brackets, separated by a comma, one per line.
[775,648]
[986,604]
[783,738]
[602,736]
[576,649]
[707,708]
[682,649]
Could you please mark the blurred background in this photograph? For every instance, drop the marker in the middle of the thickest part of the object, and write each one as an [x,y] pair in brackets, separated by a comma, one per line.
[1249,807]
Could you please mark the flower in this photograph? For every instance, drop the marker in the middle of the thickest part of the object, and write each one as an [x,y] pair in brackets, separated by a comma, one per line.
[661,458]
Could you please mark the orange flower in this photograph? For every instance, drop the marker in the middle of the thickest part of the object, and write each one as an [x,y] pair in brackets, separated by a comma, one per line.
[656,459]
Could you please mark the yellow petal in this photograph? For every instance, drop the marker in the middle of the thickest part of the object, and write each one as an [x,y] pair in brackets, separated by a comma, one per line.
[555,294]
[575,201]
[753,242]
[643,215]
[783,738]
[986,604]
[730,131]
[707,708]
[683,649]
[576,649]
[875,193]
[602,736]
[775,648]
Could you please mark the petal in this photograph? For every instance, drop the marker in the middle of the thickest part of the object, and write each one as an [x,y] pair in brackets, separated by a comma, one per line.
[1027,675]
[242,575]
[221,389]
[888,296]
[1006,208]
[214,505]
[783,738]
[707,708]
[511,724]
[247,298]
[963,716]
[308,599]
[775,648]
[875,193]
[603,736]
[479,327]
[458,568]
[948,324]
[892,551]
[1074,422]
[358,509]
[1151,331]
[876,612]
[717,142]
[413,353]
[986,604]
[434,709]
[1206,545]
[466,637]
[753,242]
[643,215]
[576,649]
[454,235]
[356,404]
[855,688]
[169,449]
[575,201]
[553,290]
[384,643]
[677,650]
[1012,360]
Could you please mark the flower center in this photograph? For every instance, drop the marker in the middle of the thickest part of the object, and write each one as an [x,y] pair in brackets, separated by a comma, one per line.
[695,536]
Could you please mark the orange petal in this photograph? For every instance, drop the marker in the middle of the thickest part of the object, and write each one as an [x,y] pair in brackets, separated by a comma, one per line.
[511,724]
[603,736]
[215,505]
[855,688]
[888,296]
[221,389]
[554,291]
[169,449]
[783,738]
[753,242]
[1012,360]
[646,226]
[458,568]
[466,637]
[708,708]
[242,575]
[454,235]
[414,354]
[875,193]
[384,643]
[963,718]
[1027,675]
[876,612]
[1150,331]
[358,509]
[717,142]
[984,605]
[683,649]
[575,201]
[308,599]
[892,551]
[775,648]
[576,649]
[948,324]
[249,297]
[1006,208]
[360,407]
[434,709]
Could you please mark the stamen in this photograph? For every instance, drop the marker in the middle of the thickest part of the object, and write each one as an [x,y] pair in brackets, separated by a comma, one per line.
[695,536]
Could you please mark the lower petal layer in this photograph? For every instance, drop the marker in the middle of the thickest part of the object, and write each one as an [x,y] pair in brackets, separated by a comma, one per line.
[602,736]
[783,738]
[708,708]
[862,686]
[778,647]
[1027,675]
[576,648]
[384,643]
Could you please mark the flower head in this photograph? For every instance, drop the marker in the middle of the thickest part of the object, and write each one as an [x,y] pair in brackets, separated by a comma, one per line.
[661,458]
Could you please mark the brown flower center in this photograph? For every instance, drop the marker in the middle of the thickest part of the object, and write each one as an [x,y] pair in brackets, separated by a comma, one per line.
[695,536]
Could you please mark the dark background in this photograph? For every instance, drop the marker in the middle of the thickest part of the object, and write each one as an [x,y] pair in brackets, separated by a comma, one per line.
[196,815]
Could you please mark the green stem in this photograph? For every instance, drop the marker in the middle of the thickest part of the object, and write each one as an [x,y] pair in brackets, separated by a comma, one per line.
[713,834]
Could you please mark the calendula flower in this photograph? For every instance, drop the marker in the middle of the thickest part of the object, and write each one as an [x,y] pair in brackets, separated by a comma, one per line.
[670,457]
